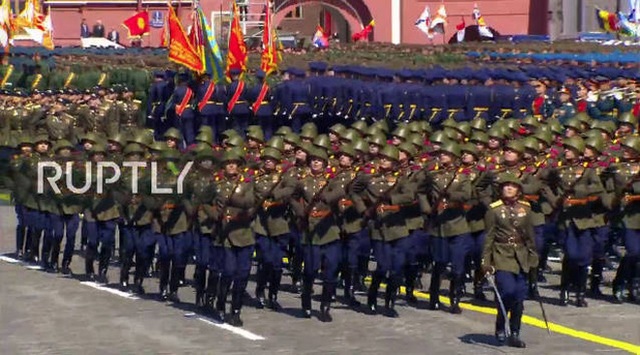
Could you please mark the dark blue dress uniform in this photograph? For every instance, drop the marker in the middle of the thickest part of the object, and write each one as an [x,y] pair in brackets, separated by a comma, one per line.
[182,104]
[458,101]
[437,111]
[211,101]
[296,101]
[504,103]
[480,98]
[159,94]
[239,111]
[261,104]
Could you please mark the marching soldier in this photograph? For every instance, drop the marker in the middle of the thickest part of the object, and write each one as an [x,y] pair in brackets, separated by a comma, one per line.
[272,189]
[261,104]
[509,253]
[579,187]
[449,228]
[319,193]
[237,104]
[235,199]
[211,99]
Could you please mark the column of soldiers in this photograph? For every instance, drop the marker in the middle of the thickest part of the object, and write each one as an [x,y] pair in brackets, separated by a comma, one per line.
[414,198]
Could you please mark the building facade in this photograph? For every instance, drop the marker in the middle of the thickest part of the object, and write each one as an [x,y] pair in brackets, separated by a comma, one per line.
[394,19]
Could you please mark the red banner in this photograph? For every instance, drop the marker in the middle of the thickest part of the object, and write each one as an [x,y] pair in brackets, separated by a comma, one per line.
[180,49]
[237,55]
[138,24]
[364,34]
[268,60]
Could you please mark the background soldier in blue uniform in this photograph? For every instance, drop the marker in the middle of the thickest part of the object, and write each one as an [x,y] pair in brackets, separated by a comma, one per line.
[182,104]
[211,100]
[237,103]
[260,95]
[159,94]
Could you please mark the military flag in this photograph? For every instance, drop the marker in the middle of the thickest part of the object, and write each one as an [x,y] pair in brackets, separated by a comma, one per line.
[205,44]
[320,40]
[181,51]
[138,24]
[269,58]
[627,27]
[483,29]
[364,34]
[440,20]
[5,23]
[31,16]
[606,20]
[423,23]
[237,49]
[461,28]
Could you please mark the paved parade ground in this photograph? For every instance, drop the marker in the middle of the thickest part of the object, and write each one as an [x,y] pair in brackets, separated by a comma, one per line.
[49,313]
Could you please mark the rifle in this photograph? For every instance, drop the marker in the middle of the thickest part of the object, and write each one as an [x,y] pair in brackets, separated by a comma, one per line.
[265,197]
[382,197]
[567,192]
[445,189]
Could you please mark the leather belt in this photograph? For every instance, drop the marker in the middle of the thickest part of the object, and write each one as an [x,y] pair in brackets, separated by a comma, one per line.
[268,204]
[388,208]
[344,203]
[631,198]
[511,240]
[445,205]
[319,213]
[570,202]
[169,206]
[532,198]
[240,217]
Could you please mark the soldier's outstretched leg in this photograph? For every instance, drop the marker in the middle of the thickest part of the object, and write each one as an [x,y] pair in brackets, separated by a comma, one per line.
[596,277]
[565,281]
[390,296]
[515,321]
[582,275]
[91,229]
[328,289]
[262,273]
[199,284]
[72,222]
[305,297]
[372,294]
[106,235]
[434,287]
[165,269]
[223,291]
[275,279]
[455,291]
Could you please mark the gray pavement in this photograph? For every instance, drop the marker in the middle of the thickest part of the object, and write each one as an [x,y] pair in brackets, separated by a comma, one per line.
[53,314]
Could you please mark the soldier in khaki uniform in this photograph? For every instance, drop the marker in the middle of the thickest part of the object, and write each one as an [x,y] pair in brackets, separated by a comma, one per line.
[18,182]
[448,225]
[65,222]
[386,194]
[202,182]
[509,253]
[272,189]
[627,187]
[579,187]
[235,199]
[319,194]
[352,228]
[101,216]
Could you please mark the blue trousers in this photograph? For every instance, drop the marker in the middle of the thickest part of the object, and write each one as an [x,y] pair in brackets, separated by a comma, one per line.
[202,248]
[20,228]
[352,248]
[236,270]
[187,128]
[578,246]
[326,256]
[632,242]
[173,248]
[100,238]
[145,243]
[391,256]
[476,245]
[600,239]
[65,226]
[451,250]
[271,250]
[419,245]
[512,287]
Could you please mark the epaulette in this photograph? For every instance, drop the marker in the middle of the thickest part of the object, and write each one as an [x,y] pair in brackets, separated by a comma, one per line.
[137,101]
[245,179]
[558,164]
[496,204]
[523,167]
[585,164]
[522,202]
[357,168]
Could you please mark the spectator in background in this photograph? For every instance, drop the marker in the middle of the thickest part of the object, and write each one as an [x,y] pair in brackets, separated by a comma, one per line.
[84,29]
[114,36]
[98,29]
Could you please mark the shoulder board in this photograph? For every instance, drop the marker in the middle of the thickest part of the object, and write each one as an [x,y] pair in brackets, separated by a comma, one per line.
[137,101]
[585,164]
[357,169]
[35,106]
[496,204]
[559,164]
[525,203]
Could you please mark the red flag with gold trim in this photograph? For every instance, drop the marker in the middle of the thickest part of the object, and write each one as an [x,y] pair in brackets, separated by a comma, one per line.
[269,59]
[138,24]
[181,51]
[237,54]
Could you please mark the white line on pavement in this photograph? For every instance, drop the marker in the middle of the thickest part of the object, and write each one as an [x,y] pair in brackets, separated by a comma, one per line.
[235,330]
[9,259]
[110,290]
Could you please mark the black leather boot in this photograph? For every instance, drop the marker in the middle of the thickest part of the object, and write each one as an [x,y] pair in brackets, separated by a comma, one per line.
[55,257]
[534,294]
[501,335]
[274,288]
[596,278]
[478,280]
[20,235]
[325,305]
[125,266]
[307,288]
[411,273]
[454,294]
[372,295]
[174,284]
[261,283]
[223,291]
[352,301]
[235,319]
[65,269]
[165,268]
[199,284]
[514,323]
[434,288]
[212,289]
[565,277]
[582,275]
[390,298]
